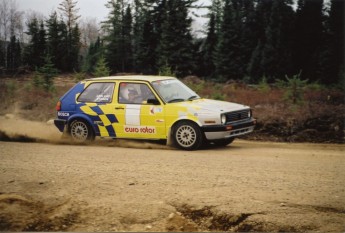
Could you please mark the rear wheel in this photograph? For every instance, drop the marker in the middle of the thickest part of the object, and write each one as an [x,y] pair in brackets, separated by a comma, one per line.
[81,131]
[187,136]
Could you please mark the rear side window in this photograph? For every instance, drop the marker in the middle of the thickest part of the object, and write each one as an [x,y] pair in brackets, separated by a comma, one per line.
[98,93]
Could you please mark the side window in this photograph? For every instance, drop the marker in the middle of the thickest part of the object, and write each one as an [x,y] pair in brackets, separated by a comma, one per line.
[98,93]
[134,93]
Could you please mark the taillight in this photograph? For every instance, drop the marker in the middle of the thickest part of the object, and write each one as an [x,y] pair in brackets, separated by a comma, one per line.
[58,106]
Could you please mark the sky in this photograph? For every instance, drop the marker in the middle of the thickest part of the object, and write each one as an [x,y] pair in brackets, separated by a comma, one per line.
[88,9]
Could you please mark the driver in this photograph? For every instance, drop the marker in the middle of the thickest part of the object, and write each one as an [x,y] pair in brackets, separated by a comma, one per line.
[130,95]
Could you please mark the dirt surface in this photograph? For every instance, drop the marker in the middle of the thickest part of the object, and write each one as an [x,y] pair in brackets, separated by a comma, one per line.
[119,185]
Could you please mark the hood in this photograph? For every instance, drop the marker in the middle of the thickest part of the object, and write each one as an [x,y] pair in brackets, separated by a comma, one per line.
[214,105]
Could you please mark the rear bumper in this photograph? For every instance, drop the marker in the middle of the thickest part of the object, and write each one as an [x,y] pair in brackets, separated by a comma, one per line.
[230,130]
[60,124]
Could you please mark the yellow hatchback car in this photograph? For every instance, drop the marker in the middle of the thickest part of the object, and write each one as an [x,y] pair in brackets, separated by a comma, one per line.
[149,107]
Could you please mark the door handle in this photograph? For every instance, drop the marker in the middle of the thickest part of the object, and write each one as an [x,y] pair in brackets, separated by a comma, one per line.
[119,108]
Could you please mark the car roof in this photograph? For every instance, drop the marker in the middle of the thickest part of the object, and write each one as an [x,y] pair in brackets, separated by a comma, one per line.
[147,78]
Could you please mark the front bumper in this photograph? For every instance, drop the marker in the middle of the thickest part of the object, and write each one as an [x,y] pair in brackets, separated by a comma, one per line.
[234,129]
[60,124]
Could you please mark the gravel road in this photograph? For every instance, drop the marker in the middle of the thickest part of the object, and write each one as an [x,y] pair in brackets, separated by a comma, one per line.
[139,186]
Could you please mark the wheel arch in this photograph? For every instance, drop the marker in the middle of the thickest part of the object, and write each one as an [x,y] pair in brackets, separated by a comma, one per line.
[179,121]
[81,118]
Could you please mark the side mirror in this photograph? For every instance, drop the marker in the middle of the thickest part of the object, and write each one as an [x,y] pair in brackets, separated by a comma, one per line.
[153,101]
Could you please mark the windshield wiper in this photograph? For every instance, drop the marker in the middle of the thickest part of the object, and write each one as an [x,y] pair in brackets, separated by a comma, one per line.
[193,97]
[176,100]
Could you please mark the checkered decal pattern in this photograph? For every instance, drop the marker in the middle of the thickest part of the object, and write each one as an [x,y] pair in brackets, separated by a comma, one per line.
[96,114]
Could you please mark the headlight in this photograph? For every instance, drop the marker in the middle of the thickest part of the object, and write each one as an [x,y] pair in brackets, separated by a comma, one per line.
[250,113]
[223,119]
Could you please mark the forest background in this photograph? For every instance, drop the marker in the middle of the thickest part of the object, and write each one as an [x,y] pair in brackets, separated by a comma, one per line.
[244,40]
[284,58]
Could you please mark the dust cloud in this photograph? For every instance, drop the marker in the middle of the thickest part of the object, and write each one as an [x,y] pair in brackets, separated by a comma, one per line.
[15,129]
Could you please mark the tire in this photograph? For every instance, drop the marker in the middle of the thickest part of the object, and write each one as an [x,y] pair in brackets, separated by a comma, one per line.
[187,136]
[80,131]
[223,142]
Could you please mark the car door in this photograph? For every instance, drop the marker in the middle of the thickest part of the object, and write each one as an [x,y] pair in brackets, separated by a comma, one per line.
[139,112]
[96,102]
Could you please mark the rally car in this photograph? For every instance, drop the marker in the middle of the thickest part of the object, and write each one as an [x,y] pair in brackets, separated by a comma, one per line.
[149,107]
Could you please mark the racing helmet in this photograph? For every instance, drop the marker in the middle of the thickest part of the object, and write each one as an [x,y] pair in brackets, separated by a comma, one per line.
[128,91]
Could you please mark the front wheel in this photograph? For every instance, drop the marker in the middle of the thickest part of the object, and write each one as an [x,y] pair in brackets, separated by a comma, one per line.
[187,136]
[81,131]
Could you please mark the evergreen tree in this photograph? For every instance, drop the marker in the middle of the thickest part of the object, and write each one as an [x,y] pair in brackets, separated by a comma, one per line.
[309,32]
[276,54]
[47,71]
[237,39]
[244,38]
[176,42]
[2,56]
[118,41]
[208,67]
[216,9]
[36,48]
[101,69]
[70,13]
[114,37]
[255,69]
[10,58]
[261,18]
[93,55]
[53,38]
[42,34]
[138,25]
[13,54]
[147,28]
[249,34]
[335,44]
[229,57]
[64,46]
[75,48]
[57,41]
[127,51]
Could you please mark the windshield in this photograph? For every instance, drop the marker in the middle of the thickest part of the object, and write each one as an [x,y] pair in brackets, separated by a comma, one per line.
[173,90]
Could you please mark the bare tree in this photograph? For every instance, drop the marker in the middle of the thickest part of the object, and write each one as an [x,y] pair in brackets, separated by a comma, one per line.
[90,31]
[15,21]
[4,19]
[11,29]
[70,12]
[11,20]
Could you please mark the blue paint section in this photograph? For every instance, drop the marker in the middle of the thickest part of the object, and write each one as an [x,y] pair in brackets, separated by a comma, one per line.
[111,131]
[97,110]
[112,118]
[68,105]
[68,100]
[95,127]
[79,106]
[94,118]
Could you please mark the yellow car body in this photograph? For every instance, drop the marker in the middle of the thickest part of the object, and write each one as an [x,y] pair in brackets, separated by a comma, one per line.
[149,107]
